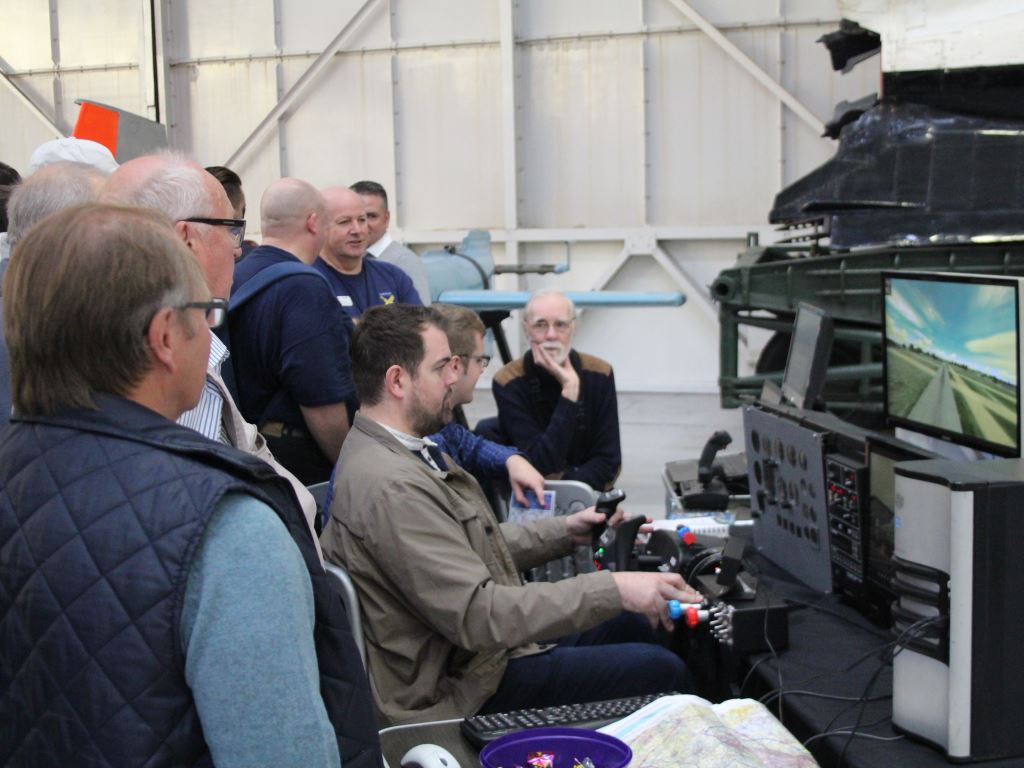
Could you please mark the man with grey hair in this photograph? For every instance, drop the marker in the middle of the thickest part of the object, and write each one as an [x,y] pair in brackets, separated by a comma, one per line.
[52,188]
[177,186]
[160,600]
[558,406]
[289,343]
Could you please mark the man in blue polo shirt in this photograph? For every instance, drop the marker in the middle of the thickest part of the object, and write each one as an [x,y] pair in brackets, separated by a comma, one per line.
[358,283]
[289,342]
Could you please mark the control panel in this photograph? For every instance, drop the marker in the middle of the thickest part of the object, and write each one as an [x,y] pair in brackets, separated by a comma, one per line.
[786,473]
[846,493]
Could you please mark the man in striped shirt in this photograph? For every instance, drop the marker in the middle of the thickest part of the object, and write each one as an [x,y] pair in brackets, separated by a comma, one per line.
[196,203]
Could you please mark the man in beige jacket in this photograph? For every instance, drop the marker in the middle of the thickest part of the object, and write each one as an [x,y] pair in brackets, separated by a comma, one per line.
[192,198]
[450,627]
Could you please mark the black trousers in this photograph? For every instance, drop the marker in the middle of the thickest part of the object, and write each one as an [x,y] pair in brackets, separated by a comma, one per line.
[299,453]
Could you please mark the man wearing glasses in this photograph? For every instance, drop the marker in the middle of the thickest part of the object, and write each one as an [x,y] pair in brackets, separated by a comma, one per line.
[195,201]
[477,455]
[556,405]
[160,601]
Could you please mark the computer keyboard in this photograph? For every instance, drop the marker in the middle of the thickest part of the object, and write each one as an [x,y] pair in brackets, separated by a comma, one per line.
[481,729]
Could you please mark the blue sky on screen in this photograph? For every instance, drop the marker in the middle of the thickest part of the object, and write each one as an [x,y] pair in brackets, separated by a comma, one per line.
[966,323]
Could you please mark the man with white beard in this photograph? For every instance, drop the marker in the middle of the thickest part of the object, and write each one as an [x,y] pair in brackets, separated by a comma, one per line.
[557,405]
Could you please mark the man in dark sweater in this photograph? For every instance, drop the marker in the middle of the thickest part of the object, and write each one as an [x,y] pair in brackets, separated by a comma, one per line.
[557,405]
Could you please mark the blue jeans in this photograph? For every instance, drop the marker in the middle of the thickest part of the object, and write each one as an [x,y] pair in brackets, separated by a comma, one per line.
[618,658]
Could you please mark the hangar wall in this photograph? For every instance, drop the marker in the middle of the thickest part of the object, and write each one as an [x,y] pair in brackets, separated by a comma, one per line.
[641,139]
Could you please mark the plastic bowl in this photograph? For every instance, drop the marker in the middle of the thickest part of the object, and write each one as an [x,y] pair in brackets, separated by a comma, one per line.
[566,743]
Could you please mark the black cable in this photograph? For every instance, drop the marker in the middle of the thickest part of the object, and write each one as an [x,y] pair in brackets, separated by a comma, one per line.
[907,635]
[860,713]
[771,649]
[912,630]
[837,697]
[746,678]
[843,732]
[830,673]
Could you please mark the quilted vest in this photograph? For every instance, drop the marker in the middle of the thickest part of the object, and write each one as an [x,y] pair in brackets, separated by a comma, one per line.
[100,515]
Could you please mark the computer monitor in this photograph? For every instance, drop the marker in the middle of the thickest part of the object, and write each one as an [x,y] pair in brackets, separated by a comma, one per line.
[809,348]
[952,357]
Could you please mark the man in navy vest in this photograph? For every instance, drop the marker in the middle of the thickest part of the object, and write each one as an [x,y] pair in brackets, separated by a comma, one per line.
[200,211]
[161,601]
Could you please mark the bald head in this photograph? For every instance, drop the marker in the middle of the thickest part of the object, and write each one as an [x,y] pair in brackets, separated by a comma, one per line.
[285,206]
[292,218]
[178,187]
[52,188]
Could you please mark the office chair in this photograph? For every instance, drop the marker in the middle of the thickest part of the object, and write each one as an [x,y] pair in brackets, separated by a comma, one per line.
[319,491]
[348,590]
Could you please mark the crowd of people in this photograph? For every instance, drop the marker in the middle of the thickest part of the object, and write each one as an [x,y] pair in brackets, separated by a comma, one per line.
[169,392]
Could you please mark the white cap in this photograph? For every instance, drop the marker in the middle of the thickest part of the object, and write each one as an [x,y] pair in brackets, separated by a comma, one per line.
[73,150]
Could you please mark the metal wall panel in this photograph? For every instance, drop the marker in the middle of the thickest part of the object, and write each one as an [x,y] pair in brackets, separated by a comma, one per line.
[569,18]
[581,150]
[214,105]
[714,132]
[443,21]
[636,130]
[448,134]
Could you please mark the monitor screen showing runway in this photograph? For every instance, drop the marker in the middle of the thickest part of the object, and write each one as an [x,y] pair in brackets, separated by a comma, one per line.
[951,357]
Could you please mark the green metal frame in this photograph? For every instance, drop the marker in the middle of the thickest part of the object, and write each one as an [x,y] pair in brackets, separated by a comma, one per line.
[765,286]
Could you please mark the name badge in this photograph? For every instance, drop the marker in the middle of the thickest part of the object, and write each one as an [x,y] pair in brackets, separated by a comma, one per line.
[345,301]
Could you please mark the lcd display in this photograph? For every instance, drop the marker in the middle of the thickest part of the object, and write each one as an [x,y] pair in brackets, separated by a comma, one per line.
[952,357]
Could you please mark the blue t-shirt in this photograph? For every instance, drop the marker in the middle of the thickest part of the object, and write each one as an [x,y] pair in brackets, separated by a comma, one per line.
[378,283]
[289,344]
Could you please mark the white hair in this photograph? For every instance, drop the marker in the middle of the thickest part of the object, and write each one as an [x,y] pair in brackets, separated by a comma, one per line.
[548,292]
[177,188]
[52,188]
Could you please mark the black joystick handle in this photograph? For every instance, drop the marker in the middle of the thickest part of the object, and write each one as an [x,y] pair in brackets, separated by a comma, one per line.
[606,504]
[706,462]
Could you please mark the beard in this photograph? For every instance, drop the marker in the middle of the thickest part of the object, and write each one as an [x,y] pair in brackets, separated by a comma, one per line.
[425,421]
[556,350]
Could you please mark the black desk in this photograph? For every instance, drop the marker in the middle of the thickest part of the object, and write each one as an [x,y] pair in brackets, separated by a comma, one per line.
[822,648]
[825,641]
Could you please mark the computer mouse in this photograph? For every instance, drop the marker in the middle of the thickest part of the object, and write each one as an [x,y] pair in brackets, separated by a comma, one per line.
[429,756]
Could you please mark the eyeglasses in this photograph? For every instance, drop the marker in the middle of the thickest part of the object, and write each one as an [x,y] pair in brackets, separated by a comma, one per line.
[236,227]
[542,326]
[216,310]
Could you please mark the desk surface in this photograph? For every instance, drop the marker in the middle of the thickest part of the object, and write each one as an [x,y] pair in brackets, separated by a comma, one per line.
[398,740]
[834,650]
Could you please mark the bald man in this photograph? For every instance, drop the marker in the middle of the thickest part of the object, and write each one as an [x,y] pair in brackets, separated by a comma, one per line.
[289,343]
[358,282]
[178,187]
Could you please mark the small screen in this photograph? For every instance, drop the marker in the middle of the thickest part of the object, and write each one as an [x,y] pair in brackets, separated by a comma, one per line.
[951,358]
[808,356]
